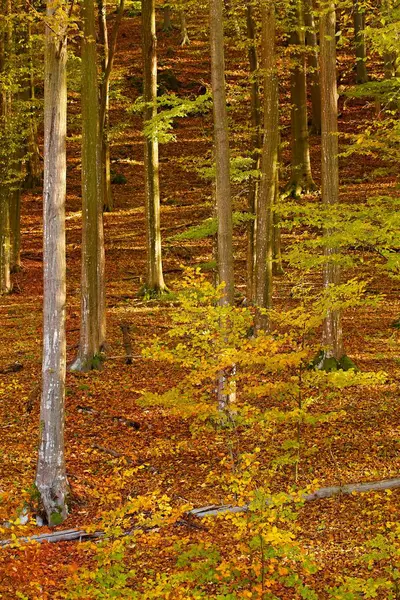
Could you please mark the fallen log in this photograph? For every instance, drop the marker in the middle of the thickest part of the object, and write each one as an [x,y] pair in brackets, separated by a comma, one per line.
[68,535]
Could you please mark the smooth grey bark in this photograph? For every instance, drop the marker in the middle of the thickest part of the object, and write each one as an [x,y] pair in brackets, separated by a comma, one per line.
[312,60]
[332,337]
[255,147]
[359,41]
[51,478]
[269,170]
[93,322]
[301,180]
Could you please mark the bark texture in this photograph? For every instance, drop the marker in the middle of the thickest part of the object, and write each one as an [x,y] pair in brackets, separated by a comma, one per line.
[51,479]
[222,157]
[155,278]
[269,170]
[93,325]
[256,147]
[301,180]
[5,111]
[332,338]
[313,67]
[359,41]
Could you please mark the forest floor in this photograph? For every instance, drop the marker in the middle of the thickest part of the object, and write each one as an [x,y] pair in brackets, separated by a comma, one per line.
[361,445]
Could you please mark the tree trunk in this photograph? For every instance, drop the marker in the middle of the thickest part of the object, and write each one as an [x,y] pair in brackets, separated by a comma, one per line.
[5,103]
[269,168]
[15,226]
[301,180]
[108,204]
[225,388]
[155,279]
[185,41]
[51,479]
[221,143]
[359,41]
[107,60]
[332,339]
[312,43]
[256,147]
[167,25]
[92,337]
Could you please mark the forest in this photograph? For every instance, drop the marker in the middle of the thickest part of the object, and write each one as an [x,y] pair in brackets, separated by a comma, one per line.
[199,299]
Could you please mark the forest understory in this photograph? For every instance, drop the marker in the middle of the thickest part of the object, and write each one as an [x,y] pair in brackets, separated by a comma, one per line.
[117,448]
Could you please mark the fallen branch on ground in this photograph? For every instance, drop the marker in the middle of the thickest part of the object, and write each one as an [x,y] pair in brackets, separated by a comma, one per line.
[212,510]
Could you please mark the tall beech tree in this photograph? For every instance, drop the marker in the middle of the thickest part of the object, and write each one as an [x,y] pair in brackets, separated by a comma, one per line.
[359,41]
[313,70]
[332,355]
[269,169]
[107,52]
[301,180]
[154,278]
[6,154]
[255,143]
[225,391]
[221,152]
[93,318]
[51,478]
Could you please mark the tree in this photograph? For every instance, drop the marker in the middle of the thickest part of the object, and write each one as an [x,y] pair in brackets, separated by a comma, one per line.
[312,59]
[93,318]
[222,180]
[51,478]
[301,180]
[155,278]
[332,337]
[107,52]
[269,170]
[221,144]
[359,40]
[256,146]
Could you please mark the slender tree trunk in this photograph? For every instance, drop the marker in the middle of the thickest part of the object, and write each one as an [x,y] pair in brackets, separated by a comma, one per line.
[33,164]
[104,105]
[332,339]
[312,57]
[225,388]
[277,268]
[92,337]
[108,49]
[155,279]
[301,180]
[15,225]
[5,103]
[167,25]
[185,41]
[269,168]
[359,40]
[256,147]
[51,478]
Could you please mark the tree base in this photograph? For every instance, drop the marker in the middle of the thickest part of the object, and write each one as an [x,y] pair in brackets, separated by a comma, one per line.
[152,293]
[84,365]
[322,362]
[300,187]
